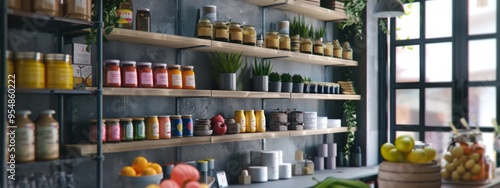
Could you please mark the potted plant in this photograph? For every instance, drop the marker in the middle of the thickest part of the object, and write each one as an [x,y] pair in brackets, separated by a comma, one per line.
[260,72]
[225,66]
[274,82]
[298,83]
[307,81]
[286,83]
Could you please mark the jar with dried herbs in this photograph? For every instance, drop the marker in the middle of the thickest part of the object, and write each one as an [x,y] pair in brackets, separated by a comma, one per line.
[78,9]
[235,33]
[249,37]
[318,47]
[285,42]
[347,51]
[328,49]
[143,20]
[204,29]
[221,31]
[272,40]
[337,49]
[306,46]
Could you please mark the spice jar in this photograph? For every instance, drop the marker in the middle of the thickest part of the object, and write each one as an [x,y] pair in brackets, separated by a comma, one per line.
[272,40]
[260,41]
[113,130]
[221,31]
[152,128]
[25,137]
[160,76]
[93,131]
[249,35]
[30,70]
[144,75]
[239,117]
[285,42]
[14,4]
[295,43]
[139,128]
[46,136]
[49,7]
[78,9]
[187,125]
[143,20]
[174,77]
[204,29]
[59,72]
[165,129]
[328,50]
[346,51]
[250,121]
[260,122]
[306,46]
[188,78]
[337,49]
[176,128]
[318,47]
[126,14]
[127,129]
[128,74]
[235,33]
[112,76]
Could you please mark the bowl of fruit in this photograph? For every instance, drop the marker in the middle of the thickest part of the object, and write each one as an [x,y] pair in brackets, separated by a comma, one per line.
[141,173]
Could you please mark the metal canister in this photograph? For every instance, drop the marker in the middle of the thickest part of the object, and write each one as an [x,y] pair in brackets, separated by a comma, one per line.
[127,129]
[176,123]
[139,128]
[187,125]
[152,128]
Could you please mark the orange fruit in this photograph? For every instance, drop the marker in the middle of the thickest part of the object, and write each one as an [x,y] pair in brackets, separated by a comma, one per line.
[404,143]
[127,171]
[157,168]
[148,171]
[139,164]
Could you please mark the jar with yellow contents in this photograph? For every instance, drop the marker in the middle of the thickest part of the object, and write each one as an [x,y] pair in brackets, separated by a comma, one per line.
[272,40]
[59,72]
[221,31]
[30,70]
[204,29]
[10,66]
[249,35]
[235,33]
[285,42]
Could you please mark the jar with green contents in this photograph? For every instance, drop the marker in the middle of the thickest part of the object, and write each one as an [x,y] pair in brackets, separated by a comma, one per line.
[139,128]
[328,49]
[295,43]
[235,33]
[306,46]
[127,129]
[318,47]
[285,42]
[221,31]
[30,70]
[204,29]
[272,40]
[249,35]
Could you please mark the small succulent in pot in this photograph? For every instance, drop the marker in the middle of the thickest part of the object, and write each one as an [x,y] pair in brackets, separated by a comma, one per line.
[307,82]
[260,72]
[286,82]
[274,82]
[298,83]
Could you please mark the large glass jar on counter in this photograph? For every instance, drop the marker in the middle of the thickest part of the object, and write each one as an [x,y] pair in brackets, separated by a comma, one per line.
[465,159]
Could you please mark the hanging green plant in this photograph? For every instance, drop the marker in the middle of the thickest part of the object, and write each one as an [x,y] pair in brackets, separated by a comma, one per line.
[109,19]
[354,9]
[350,117]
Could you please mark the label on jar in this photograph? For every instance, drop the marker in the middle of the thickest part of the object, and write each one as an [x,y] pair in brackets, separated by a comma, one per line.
[176,80]
[204,32]
[156,130]
[147,78]
[236,36]
[346,55]
[221,33]
[161,79]
[141,133]
[328,52]
[318,49]
[25,142]
[93,133]
[47,141]
[131,78]
[80,6]
[166,129]
[272,43]
[114,132]
[190,81]
[126,16]
[129,130]
[337,53]
[113,77]
[48,4]
[305,47]
[252,123]
[59,76]
[249,39]
[284,45]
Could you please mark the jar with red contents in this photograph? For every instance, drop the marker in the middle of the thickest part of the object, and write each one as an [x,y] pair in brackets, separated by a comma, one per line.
[160,75]
[144,74]
[129,74]
[112,75]
[174,77]
[113,130]
[93,131]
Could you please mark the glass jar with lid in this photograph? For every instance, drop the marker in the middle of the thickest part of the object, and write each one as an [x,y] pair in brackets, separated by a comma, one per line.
[204,29]
[144,75]
[188,77]
[235,33]
[295,43]
[174,77]
[139,128]
[25,137]
[318,47]
[126,129]
[30,70]
[78,9]
[160,75]
[306,45]
[48,7]
[249,35]
[93,131]
[112,75]
[143,20]
[272,40]
[337,49]
[260,41]
[129,74]
[221,31]
[285,42]
[46,136]
[346,51]
[113,133]
[59,72]
[328,49]
[125,14]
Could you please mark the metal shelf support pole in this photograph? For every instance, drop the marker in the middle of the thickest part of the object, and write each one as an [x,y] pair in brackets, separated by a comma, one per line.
[100,157]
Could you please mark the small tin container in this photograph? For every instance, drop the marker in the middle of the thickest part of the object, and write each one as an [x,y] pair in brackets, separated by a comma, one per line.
[187,125]
[176,123]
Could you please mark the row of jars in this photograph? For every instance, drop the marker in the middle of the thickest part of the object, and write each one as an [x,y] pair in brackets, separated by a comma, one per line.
[148,75]
[250,121]
[34,70]
[142,128]
[77,9]
[38,140]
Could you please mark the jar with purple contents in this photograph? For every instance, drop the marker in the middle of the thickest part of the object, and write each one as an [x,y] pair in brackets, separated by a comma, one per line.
[93,131]
[187,125]
[113,130]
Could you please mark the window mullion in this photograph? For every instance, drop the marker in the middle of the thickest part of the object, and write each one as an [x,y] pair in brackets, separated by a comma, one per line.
[422,73]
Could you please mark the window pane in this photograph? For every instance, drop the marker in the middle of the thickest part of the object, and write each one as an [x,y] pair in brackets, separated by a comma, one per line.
[408,26]
[437,106]
[414,135]
[482,60]
[407,64]
[482,16]
[439,141]
[438,18]
[407,106]
[482,105]
[438,62]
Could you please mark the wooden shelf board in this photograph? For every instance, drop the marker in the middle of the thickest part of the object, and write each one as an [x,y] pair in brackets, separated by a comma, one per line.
[89,149]
[319,60]
[246,50]
[249,94]
[318,131]
[156,39]
[116,91]
[308,10]
[248,136]
[325,96]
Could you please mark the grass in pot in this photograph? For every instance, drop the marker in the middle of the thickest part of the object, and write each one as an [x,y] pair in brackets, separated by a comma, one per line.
[286,83]
[225,66]
[260,73]
[307,81]
[274,82]
[298,83]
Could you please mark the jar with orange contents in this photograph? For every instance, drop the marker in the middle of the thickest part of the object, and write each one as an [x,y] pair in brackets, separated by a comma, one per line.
[188,78]
[129,74]
[144,75]
[112,75]
[160,75]
[174,77]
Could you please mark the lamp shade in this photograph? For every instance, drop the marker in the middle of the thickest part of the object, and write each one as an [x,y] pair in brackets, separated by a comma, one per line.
[388,8]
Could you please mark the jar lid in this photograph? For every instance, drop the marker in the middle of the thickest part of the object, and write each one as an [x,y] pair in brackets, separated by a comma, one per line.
[112,120]
[29,55]
[164,65]
[175,117]
[248,110]
[47,112]
[248,26]
[138,119]
[58,57]
[95,120]
[204,20]
[187,116]
[152,117]
[111,61]
[187,67]
[144,64]
[220,22]
[259,110]
[127,63]
[173,66]
[23,112]
[209,9]
[283,34]
[235,23]
[125,119]
[143,9]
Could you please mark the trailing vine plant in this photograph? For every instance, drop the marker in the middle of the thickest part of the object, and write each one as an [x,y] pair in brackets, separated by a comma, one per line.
[350,117]
[354,9]
[109,18]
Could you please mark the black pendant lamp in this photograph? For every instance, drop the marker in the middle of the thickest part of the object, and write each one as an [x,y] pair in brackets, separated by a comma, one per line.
[388,8]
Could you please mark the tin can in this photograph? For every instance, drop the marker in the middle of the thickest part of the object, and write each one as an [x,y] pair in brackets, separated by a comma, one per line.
[187,125]
[113,130]
[165,130]
[152,128]
[139,128]
[127,129]
[176,123]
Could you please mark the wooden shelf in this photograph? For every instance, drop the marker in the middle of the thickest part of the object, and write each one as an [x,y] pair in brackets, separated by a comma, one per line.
[249,94]
[251,51]
[156,39]
[318,131]
[298,7]
[54,91]
[45,23]
[319,60]
[248,136]
[116,91]
[325,96]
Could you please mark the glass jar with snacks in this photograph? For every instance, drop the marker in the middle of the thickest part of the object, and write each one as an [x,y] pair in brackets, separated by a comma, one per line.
[160,75]
[112,75]
[346,51]
[174,77]
[129,74]
[221,31]
[204,29]
[93,131]
[235,33]
[328,49]
[30,70]
[188,77]
[272,40]
[144,75]
[59,72]
[249,35]
[318,47]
